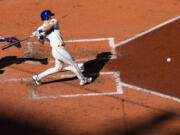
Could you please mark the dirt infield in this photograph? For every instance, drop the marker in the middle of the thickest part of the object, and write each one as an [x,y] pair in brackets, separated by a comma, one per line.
[134,90]
[146,58]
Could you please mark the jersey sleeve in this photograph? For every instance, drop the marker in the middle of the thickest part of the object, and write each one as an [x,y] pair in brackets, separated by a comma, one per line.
[55,22]
[41,27]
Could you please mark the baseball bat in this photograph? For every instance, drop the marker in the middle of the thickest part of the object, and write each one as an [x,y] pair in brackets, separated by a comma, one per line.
[11,44]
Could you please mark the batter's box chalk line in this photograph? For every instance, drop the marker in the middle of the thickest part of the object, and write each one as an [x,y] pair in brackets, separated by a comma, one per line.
[30,46]
[115,75]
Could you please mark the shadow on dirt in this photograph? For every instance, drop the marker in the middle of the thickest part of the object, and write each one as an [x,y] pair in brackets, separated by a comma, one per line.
[59,80]
[91,68]
[14,126]
[156,123]
[9,60]
[150,124]
[1,71]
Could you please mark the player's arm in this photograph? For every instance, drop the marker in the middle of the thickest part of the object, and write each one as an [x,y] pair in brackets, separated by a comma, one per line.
[51,26]
[41,34]
[45,29]
[48,28]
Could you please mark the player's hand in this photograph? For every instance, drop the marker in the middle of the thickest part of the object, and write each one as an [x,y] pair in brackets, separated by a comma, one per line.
[35,33]
[42,36]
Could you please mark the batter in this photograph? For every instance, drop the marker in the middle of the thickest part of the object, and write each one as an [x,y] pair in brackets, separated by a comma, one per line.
[50,30]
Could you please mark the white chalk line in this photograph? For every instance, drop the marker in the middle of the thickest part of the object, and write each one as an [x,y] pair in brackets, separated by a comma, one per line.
[112,45]
[30,46]
[35,95]
[116,75]
[89,40]
[119,85]
[77,60]
[74,41]
[146,32]
[53,76]
[118,82]
[77,95]
[150,92]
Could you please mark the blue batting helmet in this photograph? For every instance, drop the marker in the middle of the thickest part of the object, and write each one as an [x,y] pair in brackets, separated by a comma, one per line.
[45,15]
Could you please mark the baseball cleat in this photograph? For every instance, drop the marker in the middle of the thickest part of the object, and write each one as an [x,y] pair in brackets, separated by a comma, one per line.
[86,80]
[36,79]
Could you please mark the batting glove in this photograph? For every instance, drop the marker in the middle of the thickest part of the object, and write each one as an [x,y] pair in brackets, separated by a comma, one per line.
[37,33]
[42,36]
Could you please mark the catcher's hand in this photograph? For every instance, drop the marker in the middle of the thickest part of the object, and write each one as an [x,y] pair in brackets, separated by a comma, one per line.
[14,39]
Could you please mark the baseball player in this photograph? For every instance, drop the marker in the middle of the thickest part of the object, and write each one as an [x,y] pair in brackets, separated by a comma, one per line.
[50,30]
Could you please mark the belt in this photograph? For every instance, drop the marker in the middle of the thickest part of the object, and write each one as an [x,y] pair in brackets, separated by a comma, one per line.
[63,44]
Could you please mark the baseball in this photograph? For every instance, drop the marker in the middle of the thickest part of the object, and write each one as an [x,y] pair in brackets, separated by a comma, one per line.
[168,59]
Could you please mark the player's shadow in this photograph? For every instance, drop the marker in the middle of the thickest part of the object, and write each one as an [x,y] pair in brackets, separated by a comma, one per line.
[91,68]
[9,60]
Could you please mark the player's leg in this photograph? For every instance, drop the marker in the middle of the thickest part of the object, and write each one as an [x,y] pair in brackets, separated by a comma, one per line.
[64,56]
[80,65]
[57,68]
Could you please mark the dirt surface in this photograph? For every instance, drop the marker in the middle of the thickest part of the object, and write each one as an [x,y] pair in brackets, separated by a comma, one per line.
[146,59]
[51,108]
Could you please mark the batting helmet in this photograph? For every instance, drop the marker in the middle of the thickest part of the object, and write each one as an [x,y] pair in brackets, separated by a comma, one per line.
[45,15]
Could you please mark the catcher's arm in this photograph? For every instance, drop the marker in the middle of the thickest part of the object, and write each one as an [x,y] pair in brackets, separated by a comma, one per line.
[15,43]
[9,39]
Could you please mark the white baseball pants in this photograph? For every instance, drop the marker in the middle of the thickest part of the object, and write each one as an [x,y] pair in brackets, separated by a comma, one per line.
[62,56]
